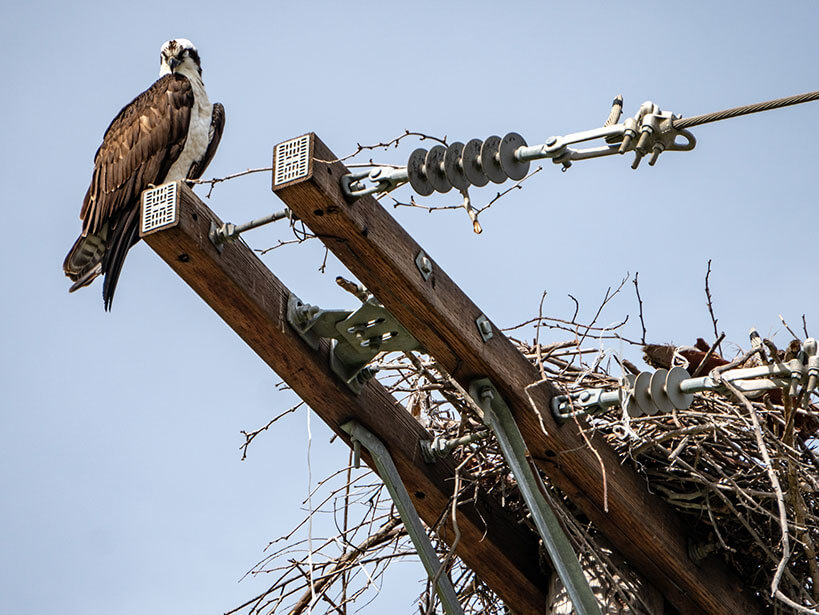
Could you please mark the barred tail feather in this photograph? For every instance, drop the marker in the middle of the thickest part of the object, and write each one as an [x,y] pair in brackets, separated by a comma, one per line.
[82,263]
[86,278]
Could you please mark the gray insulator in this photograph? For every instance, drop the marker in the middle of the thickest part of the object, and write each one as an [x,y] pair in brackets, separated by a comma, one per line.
[417,173]
[434,166]
[513,167]
[453,167]
[490,161]
[471,162]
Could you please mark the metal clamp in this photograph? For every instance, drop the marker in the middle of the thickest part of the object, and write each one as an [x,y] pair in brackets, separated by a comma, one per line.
[438,448]
[498,417]
[358,336]
[652,128]
[386,469]
[384,179]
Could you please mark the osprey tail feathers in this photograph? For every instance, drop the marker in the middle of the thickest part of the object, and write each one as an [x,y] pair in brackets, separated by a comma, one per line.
[102,253]
[84,261]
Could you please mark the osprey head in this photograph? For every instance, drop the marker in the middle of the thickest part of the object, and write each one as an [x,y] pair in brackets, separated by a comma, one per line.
[179,55]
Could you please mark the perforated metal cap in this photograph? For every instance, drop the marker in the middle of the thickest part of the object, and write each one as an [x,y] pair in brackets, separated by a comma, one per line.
[291,160]
[159,208]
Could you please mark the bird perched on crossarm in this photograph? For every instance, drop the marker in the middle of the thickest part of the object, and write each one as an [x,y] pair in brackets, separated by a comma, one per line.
[169,132]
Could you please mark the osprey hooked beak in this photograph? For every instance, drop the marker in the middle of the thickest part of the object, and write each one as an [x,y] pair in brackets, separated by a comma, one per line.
[173,62]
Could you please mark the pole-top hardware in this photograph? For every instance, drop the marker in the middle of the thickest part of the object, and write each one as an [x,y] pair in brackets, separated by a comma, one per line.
[386,469]
[438,448]
[358,336]
[441,168]
[384,179]
[229,231]
[484,327]
[664,390]
[499,419]
[424,264]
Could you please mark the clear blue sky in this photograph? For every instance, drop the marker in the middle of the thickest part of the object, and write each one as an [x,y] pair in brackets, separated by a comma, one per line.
[121,480]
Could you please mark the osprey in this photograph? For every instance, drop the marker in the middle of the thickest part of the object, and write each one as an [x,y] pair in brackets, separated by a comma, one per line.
[169,132]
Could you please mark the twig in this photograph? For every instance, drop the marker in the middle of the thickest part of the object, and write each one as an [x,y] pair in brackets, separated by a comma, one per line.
[387,144]
[711,304]
[707,356]
[780,498]
[796,337]
[640,303]
[218,180]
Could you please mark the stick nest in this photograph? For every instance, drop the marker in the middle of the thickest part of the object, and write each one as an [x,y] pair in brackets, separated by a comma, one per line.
[742,472]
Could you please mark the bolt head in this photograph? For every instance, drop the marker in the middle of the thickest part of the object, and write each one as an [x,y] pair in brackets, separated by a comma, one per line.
[486,328]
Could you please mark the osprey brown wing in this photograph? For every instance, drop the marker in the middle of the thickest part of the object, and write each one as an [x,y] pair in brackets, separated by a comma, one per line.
[138,149]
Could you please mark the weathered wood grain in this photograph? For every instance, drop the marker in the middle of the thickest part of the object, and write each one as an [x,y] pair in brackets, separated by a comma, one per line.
[253,302]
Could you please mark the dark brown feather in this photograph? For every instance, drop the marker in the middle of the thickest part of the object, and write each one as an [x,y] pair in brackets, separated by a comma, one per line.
[138,149]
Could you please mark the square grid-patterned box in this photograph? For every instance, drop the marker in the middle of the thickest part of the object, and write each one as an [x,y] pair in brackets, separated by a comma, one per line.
[158,208]
[292,160]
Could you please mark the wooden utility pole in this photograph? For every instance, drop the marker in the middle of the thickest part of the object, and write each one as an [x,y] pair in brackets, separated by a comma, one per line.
[644,529]
[253,302]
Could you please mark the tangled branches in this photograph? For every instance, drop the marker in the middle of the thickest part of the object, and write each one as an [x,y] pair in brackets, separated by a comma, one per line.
[743,471]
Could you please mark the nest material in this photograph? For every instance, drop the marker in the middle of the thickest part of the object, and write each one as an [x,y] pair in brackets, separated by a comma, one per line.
[738,470]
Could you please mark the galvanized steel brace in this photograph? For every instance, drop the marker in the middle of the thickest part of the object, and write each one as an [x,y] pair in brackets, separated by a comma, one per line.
[386,469]
[497,416]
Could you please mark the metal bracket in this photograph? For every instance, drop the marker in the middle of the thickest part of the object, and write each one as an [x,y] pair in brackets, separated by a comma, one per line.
[386,469]
[384,179]
[497,416]
[358,336]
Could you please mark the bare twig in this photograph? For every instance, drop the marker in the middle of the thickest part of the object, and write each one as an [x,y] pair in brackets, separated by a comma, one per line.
[640,303]
[711,304]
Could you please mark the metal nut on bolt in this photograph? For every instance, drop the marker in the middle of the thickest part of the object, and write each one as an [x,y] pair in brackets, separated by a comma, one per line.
[424,265]
[484,327]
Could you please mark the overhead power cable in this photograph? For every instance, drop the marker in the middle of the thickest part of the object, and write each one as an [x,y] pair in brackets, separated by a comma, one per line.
[716,116]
